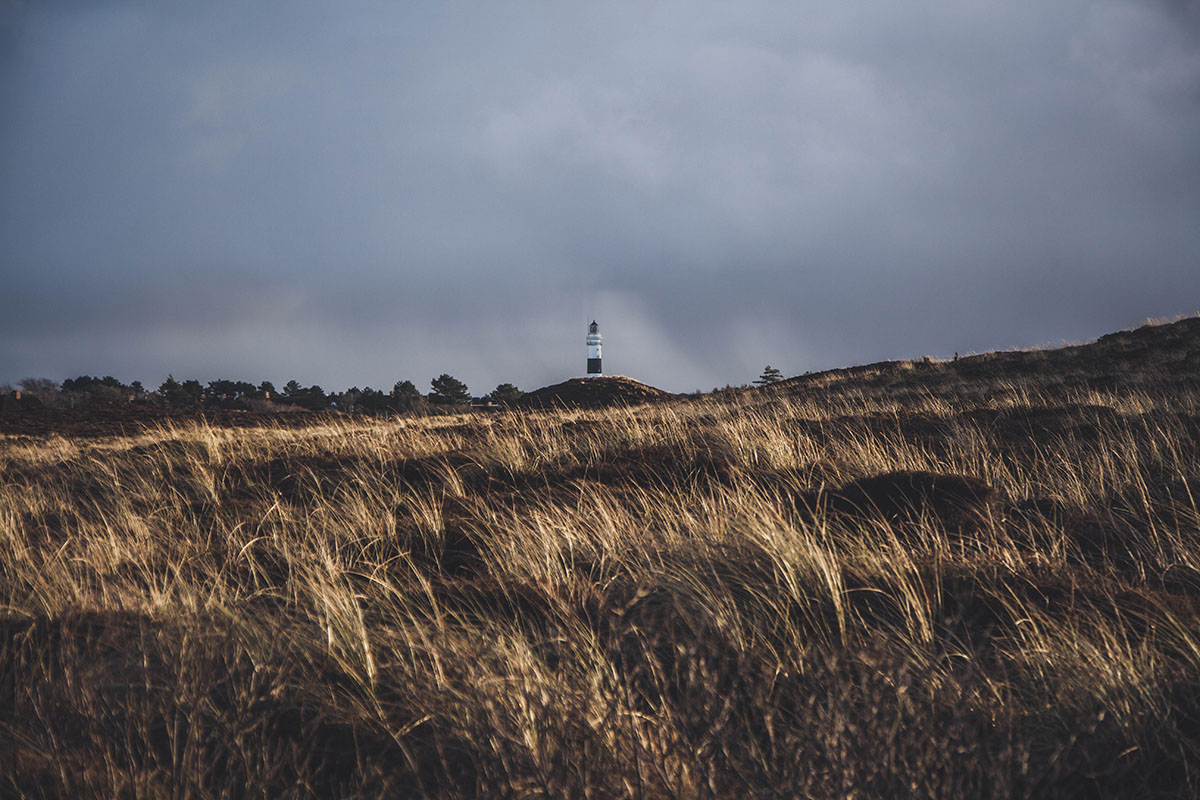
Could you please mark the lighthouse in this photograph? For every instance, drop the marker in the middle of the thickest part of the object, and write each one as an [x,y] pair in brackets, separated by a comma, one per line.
[593,346]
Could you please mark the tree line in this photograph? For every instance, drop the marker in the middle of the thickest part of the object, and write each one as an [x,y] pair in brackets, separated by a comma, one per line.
[404,397]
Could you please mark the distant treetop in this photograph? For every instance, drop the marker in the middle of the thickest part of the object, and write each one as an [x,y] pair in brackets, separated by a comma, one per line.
[769,375]
[448,389]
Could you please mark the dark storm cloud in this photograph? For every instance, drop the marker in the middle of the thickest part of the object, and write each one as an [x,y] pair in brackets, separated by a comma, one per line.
[356,195]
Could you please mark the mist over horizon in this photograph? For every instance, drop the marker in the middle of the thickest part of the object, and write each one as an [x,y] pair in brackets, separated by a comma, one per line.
[356,196]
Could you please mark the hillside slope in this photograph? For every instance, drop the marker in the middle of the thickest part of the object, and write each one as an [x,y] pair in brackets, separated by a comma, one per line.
[1161,355]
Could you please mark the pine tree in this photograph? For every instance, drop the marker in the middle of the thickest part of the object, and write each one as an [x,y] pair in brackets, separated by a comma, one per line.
[769,375]
[172,393]
[447,389]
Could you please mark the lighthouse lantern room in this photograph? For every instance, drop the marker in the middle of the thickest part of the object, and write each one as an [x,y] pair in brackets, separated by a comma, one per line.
[593,349]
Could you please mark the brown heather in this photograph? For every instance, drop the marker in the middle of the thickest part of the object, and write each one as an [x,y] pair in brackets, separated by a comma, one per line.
[977,578]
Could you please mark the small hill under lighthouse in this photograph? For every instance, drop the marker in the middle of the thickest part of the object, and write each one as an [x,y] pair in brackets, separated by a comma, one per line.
[596,390]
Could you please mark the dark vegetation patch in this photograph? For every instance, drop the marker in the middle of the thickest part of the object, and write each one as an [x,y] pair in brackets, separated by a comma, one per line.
[155,706]
[131,419]
[957,503]
[304,478]
[1038,424]
[659,465]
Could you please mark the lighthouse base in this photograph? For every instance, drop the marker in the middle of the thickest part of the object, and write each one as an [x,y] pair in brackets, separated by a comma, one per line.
[593,366]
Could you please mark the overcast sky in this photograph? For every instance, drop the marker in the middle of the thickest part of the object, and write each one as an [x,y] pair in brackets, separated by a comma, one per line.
[360,192]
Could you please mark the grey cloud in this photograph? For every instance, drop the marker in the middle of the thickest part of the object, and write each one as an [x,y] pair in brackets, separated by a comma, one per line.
[359,195]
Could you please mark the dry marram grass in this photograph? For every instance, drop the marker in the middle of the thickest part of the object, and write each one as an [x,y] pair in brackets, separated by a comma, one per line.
[906,582]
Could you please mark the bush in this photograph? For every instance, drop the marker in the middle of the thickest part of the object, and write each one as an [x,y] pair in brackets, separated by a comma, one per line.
[44,389]
[405,396]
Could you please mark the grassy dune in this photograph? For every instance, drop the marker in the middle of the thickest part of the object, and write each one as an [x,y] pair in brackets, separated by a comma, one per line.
[977,578]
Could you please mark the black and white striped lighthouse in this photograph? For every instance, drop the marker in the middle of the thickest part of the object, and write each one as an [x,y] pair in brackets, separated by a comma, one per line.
[593,345]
